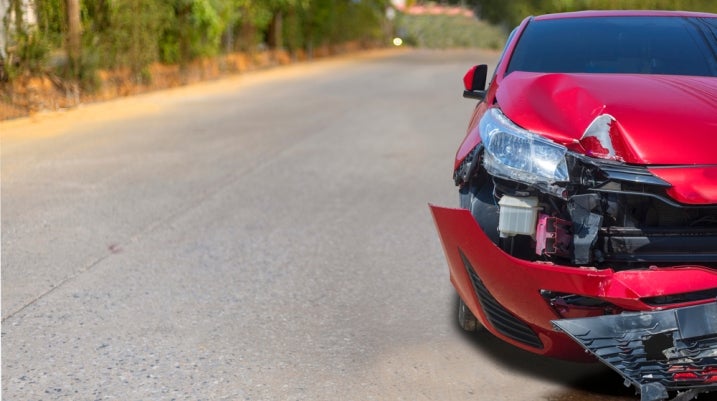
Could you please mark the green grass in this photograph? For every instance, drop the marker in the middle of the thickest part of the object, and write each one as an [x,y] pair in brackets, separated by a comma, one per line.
[442,31]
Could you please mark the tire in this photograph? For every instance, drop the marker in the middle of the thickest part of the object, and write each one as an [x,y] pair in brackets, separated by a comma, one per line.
[466,318]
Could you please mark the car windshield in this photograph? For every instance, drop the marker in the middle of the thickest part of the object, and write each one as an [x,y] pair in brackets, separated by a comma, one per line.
[621,45]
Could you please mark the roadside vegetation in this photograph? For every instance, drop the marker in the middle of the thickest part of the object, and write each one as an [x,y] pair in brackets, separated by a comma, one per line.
[448,31]
[509,13]
[58,53]
[110,34]
[105,48]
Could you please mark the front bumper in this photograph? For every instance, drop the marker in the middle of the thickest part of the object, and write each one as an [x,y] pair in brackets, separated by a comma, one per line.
[657,352]
[507,294]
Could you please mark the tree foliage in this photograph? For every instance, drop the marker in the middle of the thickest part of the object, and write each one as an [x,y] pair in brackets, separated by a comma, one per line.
[510,13]
[135,33]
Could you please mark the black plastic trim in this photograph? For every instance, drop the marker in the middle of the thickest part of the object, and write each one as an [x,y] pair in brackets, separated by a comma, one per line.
[500,318]
[660,351]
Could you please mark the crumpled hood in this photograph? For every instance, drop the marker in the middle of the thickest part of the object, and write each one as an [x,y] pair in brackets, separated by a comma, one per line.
[661,119]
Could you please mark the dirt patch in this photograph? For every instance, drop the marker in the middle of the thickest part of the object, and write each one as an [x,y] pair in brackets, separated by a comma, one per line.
[28,95]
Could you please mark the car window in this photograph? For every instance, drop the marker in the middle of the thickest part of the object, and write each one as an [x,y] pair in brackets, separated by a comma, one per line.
[628,45]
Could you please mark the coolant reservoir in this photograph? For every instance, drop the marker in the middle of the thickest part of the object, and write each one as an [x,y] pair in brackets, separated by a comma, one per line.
[517,216]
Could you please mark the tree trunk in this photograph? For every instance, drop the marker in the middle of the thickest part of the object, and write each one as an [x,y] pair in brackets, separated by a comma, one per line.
[275,31]
[74,36]
[17,9]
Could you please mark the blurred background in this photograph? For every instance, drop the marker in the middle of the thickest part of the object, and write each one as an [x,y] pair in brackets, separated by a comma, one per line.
[260,237]
[56,54]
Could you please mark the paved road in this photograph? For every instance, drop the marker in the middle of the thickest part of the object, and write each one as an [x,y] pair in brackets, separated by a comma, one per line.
[264,237]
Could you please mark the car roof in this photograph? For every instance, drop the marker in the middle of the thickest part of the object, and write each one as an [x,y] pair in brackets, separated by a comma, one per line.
[624,13]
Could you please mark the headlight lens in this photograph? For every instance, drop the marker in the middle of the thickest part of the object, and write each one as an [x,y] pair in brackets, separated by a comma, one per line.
[516,154]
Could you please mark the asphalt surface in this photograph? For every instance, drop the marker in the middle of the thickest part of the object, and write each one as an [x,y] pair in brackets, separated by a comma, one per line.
[263,237]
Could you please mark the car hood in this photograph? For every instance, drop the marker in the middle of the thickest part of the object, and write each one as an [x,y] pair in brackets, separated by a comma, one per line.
[659,119]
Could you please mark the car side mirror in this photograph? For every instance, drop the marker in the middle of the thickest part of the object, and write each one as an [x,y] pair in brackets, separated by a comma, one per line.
[474,82]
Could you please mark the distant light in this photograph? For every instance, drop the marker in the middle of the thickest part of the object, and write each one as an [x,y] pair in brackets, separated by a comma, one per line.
[397,41]
[390,13]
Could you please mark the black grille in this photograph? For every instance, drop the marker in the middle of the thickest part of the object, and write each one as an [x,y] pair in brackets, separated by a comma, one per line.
[680,298]
[648,361]
[503,321]
[668,350]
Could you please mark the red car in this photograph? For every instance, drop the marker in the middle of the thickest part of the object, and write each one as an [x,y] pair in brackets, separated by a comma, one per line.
[588,196]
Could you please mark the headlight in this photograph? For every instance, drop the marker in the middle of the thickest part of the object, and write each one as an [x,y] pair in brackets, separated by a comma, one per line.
[519,155]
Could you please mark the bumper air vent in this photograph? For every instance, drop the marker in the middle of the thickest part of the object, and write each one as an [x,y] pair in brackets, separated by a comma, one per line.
[503,321]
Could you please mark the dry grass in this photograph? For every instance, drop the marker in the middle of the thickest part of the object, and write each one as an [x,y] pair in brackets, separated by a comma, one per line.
[28,95]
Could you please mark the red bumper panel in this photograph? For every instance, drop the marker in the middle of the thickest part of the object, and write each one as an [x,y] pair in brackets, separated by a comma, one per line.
[516,284]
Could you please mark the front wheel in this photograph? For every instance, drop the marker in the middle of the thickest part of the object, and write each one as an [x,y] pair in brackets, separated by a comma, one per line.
[466,318]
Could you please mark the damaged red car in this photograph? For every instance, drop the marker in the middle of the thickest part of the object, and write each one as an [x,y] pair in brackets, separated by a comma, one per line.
[587,226]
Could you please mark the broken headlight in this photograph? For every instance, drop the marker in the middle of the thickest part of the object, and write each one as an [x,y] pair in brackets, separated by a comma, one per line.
[519,155]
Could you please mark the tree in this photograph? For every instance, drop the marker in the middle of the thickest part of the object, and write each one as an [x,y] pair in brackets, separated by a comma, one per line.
[511,13]
[23,49]
[74,36]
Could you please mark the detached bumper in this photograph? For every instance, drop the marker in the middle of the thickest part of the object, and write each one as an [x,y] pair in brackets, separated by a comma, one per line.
[507,294]
[671,350]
